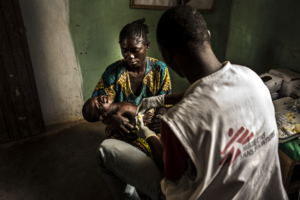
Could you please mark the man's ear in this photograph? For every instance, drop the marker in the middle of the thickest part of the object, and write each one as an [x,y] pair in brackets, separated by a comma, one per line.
[147,45]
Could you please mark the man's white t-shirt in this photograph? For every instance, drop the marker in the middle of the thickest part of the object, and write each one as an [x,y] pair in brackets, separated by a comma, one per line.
[226,124]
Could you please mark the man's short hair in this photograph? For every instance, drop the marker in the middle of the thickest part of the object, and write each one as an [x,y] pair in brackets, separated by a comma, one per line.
[182,28]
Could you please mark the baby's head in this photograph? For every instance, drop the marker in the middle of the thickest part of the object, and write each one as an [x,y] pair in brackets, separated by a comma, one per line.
[96,108]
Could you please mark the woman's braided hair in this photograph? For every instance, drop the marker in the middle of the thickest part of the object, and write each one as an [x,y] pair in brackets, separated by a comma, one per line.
[136,29]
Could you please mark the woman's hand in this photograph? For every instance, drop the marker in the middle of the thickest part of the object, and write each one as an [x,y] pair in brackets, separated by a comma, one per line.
[155,124]
[156,121]
[147,118]
[119,124]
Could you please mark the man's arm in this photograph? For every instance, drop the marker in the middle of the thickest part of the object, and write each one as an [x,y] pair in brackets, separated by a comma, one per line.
[158,101]
[161,110]
[174,155]
[157,151]
[173,98]
[155,145]
[169,155]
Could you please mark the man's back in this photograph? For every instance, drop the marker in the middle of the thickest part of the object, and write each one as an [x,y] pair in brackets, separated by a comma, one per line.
[226,124]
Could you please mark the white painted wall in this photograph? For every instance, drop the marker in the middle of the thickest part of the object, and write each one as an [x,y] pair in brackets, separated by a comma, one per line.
[57,72]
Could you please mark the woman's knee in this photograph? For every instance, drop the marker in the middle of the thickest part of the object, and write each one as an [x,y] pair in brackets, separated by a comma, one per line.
[106,146]
[112,150]
[104,149]
[109,149]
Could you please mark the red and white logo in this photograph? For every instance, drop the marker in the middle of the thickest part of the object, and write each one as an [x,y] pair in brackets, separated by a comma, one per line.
[241,137]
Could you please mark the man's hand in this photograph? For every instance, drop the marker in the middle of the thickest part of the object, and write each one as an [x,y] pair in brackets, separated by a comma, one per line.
[154,143]
[142,131]
[119,124]
[150,102]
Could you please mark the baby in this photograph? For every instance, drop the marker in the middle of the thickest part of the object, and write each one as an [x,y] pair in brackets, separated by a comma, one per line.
[97,109]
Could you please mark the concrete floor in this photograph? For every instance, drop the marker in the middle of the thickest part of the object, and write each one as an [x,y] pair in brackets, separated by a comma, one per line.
[60,164]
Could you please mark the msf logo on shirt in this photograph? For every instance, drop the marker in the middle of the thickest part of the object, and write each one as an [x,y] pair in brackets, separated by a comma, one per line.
[241,137]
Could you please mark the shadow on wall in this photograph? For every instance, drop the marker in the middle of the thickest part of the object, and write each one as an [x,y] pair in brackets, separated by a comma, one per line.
[265,36]
[57,73]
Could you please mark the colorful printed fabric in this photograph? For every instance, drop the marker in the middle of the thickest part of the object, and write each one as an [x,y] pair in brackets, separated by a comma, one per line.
[115,83]
[132,139]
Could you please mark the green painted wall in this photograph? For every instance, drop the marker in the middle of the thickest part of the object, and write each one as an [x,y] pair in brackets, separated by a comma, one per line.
[265,34]
[95,26]
[218,24]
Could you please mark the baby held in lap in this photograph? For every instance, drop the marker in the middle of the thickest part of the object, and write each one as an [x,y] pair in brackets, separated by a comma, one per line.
[97,109]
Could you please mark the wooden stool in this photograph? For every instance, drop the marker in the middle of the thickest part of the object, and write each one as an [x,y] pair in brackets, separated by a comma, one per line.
[290,177]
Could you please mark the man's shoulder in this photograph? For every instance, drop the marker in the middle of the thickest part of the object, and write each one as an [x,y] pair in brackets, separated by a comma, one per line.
[244,69]
[247,76]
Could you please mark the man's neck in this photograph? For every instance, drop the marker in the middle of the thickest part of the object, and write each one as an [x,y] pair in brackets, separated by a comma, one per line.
[199,65]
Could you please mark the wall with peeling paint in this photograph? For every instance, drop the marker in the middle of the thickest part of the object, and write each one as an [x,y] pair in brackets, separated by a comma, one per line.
[57,72]
[264,34]
[95,27]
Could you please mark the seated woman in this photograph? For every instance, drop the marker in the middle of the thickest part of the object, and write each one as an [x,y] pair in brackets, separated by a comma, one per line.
[132,79]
